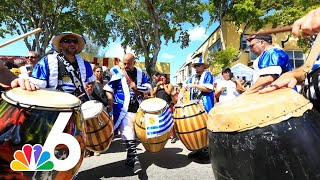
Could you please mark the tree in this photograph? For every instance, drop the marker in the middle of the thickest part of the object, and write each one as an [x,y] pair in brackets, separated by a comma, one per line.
[144,24]
[52,16]
[255,14]
[222,58]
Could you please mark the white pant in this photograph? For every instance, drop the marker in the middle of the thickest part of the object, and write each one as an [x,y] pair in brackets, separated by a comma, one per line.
[127,127]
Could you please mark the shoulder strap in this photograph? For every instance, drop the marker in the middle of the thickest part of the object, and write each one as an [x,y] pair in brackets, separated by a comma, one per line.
[76,80]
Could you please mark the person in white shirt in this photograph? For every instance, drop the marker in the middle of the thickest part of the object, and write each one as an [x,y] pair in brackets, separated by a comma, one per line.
[226,89]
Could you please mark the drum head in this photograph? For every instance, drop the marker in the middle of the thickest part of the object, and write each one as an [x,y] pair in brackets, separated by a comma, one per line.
[91,109]
[188,103]
[153,105]
[257,110]
[41,99]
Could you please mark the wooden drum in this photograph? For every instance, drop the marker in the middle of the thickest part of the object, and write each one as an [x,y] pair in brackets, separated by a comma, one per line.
[265,136]
[149,111]
[32,118]
[98,126]
[191,124]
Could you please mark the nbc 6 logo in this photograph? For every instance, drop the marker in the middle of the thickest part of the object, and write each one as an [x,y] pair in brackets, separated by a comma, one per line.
[38,158]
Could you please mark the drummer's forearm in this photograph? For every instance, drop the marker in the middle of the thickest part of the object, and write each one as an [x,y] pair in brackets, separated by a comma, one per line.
[110,101]
[261,82]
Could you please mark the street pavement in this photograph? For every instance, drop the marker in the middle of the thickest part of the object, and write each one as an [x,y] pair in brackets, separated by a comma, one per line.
[170,163]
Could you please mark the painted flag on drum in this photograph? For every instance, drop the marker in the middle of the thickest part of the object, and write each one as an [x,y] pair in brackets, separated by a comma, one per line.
[157,125]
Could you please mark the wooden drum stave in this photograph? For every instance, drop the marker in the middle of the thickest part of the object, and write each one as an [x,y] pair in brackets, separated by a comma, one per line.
[98,126]
[191,124]
[265,136]
[27,118]
[155,107]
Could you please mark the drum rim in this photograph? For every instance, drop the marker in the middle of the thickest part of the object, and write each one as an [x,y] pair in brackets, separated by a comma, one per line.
[153,111]
[93,116]
[13,102]
[191,102]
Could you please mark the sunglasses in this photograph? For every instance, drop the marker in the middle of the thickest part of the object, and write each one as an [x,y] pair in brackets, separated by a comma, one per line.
[251,45]
[197,65]
[30,57]
[68,41]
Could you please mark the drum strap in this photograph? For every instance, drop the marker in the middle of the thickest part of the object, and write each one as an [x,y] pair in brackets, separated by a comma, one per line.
[73,75]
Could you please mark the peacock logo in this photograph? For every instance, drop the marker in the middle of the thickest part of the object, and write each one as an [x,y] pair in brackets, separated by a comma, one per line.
[31,158]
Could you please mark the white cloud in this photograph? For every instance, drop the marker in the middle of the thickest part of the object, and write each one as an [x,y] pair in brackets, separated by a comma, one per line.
[167,56]
[115,50]
[197,34]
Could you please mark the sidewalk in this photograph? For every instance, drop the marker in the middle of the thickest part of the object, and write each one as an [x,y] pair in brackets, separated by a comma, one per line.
[170,163]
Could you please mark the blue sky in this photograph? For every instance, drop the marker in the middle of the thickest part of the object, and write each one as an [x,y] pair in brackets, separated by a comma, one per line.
[171,53]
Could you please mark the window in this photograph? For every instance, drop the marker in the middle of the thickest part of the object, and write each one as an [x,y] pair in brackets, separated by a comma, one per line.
[296,58]
[215,47]
[189,70]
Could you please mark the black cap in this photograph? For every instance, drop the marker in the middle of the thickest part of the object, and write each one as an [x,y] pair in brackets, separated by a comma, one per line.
[226,69]
[265,37]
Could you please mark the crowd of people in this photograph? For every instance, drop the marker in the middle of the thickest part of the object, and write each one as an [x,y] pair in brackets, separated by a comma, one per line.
[66,71]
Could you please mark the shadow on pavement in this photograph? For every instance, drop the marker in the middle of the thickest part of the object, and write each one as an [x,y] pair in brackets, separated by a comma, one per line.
[167,158]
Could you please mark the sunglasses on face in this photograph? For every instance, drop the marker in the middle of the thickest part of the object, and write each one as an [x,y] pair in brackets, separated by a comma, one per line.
[68,41]
[197,65]
[30,57]
[251,45]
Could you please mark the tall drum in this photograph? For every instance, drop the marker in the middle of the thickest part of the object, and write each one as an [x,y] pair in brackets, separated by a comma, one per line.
[154,119]
[98,126]
[191,124]
[28,118]
[265,136]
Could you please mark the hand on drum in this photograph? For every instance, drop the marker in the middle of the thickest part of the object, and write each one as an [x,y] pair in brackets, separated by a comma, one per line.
[285,80]
[307,25]
[24,84]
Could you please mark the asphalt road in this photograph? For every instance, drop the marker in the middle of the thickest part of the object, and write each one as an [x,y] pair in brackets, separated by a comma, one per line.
[170,163]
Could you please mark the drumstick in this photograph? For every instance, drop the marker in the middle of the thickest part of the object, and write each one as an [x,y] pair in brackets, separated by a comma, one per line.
[312,57]
[21,37]
[273,31]
[81,95]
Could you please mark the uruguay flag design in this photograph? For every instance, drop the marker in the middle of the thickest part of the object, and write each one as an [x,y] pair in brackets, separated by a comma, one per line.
[157,125]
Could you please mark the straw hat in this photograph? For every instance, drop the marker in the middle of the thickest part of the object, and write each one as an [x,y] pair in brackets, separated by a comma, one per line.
[199,60]
[57,38]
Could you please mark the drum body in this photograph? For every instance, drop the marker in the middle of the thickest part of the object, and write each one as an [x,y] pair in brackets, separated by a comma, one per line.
[98,126]
[154,106]
[191,124]
[27,118]
[278,150]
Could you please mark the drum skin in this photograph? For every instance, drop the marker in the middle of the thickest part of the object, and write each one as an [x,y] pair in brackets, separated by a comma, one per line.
[33,128]
[99,132]
[191,125]
[152,145]
[289,150]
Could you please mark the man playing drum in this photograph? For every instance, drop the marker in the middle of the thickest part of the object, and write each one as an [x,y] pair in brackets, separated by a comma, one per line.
[270,63]
[200,86]
[65,70]
[126,87]
[305,26]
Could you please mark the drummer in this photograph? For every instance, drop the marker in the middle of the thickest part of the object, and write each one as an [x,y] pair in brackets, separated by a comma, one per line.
[270,63]
[200,86]
[305,26]
[65,70]
[126,88]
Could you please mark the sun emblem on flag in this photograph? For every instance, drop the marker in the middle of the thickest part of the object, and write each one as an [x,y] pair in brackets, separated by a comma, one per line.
[152,120]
